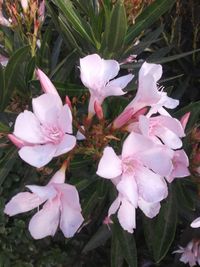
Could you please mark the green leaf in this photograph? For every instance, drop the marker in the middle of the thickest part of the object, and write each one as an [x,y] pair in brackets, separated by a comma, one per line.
[98,239]
[127,245]
[151,14]
[7,162]
[160,231]
[116,29]
[116,253]
[12,74]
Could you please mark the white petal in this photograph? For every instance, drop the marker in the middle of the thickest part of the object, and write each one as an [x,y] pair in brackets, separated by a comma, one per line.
[151,187]
[65,119]
[195,223]
[68,143]
[45,222]
[149,209]
[110,165]
[126,216]
[47,108]
[39,155]
[114,207]
[27,128]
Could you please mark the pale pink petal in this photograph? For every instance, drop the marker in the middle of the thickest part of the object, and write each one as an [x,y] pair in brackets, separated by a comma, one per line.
[151,187]
[47,85]
[39,155]
[135,143]
[110,69]
[47,108]
[126,216]
[59,176]
[155,70]
[114,207]
[44,192]
[71,217]
[65,119]
[159,159]
[144,125]
[128,189]
[45,222]
[27,128]
[168,137]
[121,82]
[110,90]
[22,202]
[195,223]
[172,124]
[24,4]
[110,165]
[184,119]
[149,209]
[68,143]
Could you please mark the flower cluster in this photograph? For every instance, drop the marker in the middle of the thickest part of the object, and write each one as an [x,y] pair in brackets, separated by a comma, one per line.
[151,157]
[191,253]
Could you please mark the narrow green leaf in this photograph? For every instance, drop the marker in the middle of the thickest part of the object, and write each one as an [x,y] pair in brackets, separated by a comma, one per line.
[7,163]
[151,14]
[160,231]
[127,244]
[98,239]
[116,253]
[116,30]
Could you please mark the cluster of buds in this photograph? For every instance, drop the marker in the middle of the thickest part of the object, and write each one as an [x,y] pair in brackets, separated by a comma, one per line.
[26,15]
[151,157]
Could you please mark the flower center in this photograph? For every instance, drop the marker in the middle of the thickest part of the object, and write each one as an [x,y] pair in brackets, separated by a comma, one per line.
[130,164]
[53,134]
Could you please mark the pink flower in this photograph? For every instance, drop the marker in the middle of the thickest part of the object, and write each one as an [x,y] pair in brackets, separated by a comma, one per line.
[45,132]
[165,128]
[191,253]
[96,74]
[3,20]
[24,4]
[180,166]
[61,207]
[148,93]
[138,176]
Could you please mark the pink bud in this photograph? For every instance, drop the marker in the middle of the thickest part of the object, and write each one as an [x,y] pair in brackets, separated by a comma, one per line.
[47,85]
[184,119]
[98,110]
[41,10]
[123,118]
[68,102]
[16,141]
[142,111]
[24,4]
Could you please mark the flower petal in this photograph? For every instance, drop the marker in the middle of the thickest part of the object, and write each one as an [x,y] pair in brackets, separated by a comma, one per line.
[44,192]
[22,202]
[45,222]
[114,207]
[47,108]
[195,223]
[126,216]
[65,119]
[68,143]
[121,82]
[71,217]
[149,209]
[27,128]
[47,85]
[128,189]
[39,155]
[110,165]
[151,187]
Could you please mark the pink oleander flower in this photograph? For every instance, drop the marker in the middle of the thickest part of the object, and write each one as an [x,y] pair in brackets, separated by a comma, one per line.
[148,93]
[3,20]
[25,4]
[191,253]
[167,129]
[61,207]
[97,75]
[138,175]
[47,131]
[3,60]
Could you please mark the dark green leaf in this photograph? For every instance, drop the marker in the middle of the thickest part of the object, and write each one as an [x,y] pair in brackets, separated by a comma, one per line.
[160,231]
